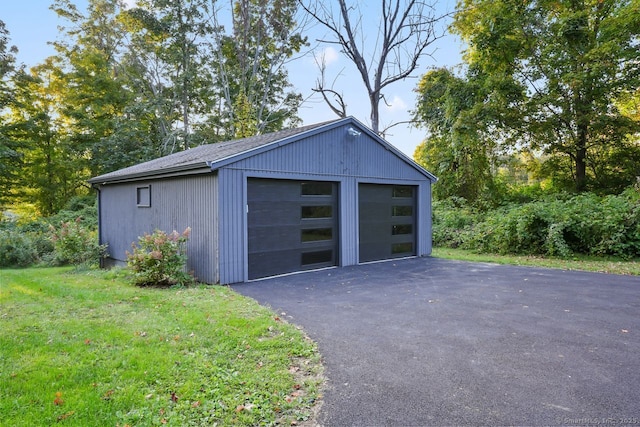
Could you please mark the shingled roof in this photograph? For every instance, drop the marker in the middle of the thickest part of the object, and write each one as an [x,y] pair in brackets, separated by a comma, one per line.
[207,158]
[202,156]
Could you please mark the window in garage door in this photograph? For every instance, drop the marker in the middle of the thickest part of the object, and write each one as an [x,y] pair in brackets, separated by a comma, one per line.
[386,221]
[292,225]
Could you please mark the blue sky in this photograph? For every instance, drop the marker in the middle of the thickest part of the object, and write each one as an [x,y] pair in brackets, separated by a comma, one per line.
[32,24]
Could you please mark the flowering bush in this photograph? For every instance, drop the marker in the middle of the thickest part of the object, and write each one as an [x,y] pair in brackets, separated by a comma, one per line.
[74,243]
[160,259]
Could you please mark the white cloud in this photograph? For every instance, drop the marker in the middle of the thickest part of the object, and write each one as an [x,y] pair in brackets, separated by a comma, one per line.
[329,55]
[129,3]
[395,105]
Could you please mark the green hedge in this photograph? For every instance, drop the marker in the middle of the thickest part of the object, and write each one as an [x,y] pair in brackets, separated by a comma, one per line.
[558,226]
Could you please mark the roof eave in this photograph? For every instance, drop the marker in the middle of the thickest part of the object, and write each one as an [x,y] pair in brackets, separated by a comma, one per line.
[193,169]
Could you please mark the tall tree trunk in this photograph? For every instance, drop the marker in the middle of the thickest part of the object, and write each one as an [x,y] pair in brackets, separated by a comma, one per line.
[374,98]
[581,159]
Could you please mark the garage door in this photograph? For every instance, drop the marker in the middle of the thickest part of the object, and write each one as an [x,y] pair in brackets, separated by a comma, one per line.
[292,225]
[387,221]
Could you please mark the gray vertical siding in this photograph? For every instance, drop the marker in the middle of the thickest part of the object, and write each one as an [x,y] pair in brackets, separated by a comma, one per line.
[176,204]
[424,222]
[327,156]
[349,222]
[333,153]
[232,226]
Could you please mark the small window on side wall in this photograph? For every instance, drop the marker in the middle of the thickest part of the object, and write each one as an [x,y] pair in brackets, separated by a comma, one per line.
[143,196]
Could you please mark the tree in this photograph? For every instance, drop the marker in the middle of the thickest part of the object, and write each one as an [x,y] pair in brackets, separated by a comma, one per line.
[252,78]
[9,156]
[457,149]
[173,76]
[204,83]
[48,176]
[406,29]
[571,60]
[94,83]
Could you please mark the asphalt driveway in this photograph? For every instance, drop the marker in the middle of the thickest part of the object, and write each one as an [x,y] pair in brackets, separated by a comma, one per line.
[427,341]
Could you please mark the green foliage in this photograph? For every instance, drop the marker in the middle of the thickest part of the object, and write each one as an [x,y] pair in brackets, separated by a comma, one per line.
[252,78]
[49,176]
[9,154]
[160,259]
[168,47]
[555,77]
[457,149]
[83,207]
[27,241]
[127,85]
[16,249]
[23,244]
[76,244]
[453,219]
[558,226]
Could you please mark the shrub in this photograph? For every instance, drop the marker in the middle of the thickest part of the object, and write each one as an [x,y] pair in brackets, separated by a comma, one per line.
[76,244]
[160,259]
[16,249]
[452,220]
[22,245]
[559,225]
[83,207]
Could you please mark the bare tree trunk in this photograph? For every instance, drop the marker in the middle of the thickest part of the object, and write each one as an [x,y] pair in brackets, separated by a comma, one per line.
[406,29]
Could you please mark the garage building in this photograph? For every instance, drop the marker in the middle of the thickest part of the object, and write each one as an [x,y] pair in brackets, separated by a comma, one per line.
[323,195]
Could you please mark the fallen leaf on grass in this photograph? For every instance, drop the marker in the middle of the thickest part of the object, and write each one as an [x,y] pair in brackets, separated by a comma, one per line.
[249,406]
[195,404]
[58,400]
[65,416]
[107,395]
[174,398]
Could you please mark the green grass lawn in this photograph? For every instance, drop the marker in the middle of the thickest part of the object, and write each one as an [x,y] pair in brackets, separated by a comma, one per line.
[89,349]
[581,262]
